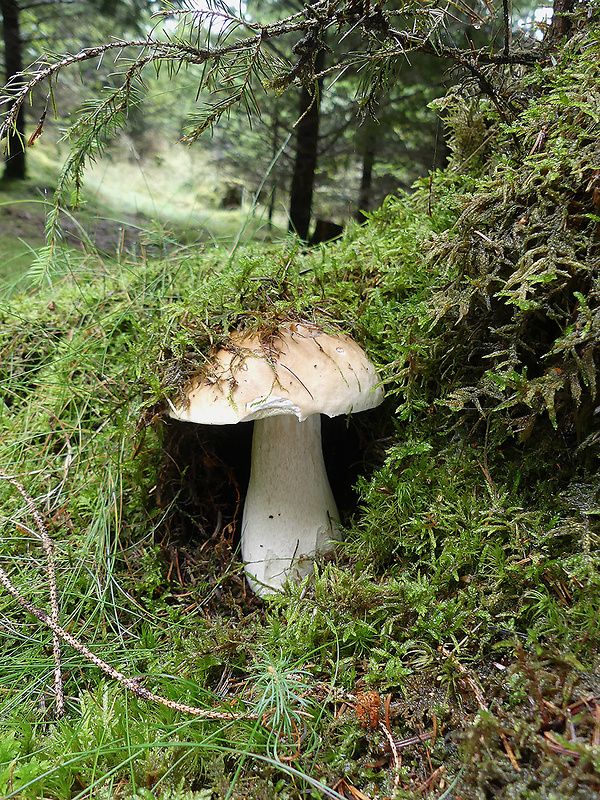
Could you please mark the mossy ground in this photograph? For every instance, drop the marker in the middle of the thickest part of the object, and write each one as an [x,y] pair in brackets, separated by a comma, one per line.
[450,646]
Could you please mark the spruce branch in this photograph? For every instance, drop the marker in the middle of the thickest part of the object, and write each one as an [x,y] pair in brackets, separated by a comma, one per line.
[233,69]
[319,16]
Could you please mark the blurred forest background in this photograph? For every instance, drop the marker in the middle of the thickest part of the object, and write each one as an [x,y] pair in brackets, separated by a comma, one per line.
[284,163]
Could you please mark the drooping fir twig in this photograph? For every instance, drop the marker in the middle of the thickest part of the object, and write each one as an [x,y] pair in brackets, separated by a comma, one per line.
[51,572]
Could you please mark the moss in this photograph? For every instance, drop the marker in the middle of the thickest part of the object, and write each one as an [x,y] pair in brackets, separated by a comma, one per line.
[519,314]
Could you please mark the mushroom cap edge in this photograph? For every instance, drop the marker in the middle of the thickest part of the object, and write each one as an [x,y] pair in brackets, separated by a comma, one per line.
[300,370]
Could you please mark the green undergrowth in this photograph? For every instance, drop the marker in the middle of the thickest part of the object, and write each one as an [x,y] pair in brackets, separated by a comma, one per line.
[459,618]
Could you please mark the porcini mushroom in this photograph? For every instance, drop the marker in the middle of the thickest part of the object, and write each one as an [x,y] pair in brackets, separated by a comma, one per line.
[283,383]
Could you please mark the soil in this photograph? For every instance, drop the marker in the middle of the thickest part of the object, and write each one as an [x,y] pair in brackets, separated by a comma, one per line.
[28,223]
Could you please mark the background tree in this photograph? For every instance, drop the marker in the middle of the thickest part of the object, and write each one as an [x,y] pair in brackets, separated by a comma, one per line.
[307,148]
[13,65]
[323,134]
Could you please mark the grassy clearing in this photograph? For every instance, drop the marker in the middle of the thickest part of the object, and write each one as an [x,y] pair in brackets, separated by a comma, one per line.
[176,185]
[23,207]
[168,198]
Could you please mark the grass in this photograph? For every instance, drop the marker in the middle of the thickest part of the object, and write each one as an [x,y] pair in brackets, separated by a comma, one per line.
[451,584]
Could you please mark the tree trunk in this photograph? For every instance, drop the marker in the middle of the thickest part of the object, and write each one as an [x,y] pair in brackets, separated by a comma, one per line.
[307,140]
[13,57]
[366,181]
[561,25]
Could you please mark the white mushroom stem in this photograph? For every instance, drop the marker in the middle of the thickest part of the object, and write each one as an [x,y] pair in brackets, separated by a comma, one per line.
[290,512]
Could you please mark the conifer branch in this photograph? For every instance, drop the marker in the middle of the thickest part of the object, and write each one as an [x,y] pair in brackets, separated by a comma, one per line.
[324,15]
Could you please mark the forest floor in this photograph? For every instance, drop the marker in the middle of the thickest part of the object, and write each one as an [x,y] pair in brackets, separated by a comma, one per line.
[449,648]
[446,650]
[22,226]
[174,199]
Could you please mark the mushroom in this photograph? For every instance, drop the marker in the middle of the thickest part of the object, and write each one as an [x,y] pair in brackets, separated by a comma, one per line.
[284,383]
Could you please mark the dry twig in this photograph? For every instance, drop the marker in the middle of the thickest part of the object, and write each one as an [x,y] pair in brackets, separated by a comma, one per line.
[476,689]
[395,754]
[58,633]
[51,572]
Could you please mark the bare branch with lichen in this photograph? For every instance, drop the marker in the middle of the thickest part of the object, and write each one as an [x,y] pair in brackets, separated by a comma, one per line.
[51,621]
[51,572]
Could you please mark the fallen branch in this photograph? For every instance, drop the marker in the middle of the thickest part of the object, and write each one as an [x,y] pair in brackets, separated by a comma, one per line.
[396,756]
[50,569]
[131,684]
[51,621]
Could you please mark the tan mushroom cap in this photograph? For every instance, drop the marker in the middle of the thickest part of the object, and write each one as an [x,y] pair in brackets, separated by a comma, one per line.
[300,371]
